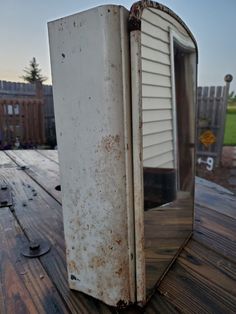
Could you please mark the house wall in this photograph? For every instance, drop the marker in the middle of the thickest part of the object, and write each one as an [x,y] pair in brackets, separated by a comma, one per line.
[157,102]
[22,119]
[22,90]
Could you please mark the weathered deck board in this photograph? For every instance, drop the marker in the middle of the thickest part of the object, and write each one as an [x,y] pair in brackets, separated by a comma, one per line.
[216,199]
[25,286]
[216,231]
[41,217]
[202,280]
[50,154]
[40,168]
[5,161]
[166,231]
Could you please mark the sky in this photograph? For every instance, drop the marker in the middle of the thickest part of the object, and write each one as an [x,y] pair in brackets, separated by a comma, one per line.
[23,34]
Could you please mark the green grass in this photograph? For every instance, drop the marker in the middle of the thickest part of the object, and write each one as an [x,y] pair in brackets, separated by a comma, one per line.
[230,127]
[231,109]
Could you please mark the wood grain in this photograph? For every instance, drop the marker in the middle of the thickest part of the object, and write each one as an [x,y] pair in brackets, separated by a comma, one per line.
[165,229]
[40,169]
[50,154]
[41,217]
[24,284]
[5,161]
[195,284]
[216,200]
[216,231]
[202,280]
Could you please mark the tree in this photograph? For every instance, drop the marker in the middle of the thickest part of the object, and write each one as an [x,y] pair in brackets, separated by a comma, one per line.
[33,73]
[232,97]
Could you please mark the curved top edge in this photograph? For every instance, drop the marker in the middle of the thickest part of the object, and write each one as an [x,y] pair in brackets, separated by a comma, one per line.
[137,10]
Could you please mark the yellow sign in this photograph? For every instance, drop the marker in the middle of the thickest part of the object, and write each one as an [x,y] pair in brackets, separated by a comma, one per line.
[207,138]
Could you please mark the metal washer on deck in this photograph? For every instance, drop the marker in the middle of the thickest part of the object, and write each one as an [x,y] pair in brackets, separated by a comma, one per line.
[36,248]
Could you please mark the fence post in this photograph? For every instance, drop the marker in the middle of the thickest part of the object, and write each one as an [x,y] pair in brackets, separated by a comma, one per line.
[228,79]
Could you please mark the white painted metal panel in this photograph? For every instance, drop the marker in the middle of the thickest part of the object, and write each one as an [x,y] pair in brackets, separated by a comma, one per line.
[135,52]
[90,69]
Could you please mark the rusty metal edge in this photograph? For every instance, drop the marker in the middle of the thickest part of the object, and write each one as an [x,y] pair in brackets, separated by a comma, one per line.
[136,11]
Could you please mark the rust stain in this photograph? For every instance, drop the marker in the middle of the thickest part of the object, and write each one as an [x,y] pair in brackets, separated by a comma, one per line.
[118,242]
[72,267]
[119,271]
[97,262]
[109,142]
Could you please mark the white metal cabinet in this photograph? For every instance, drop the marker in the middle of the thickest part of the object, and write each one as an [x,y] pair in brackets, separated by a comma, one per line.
[100,71]
[90,66]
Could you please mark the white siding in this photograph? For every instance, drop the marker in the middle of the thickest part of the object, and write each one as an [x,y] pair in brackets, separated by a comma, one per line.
[157,150]
[156,87]
[154,43]
[148,78]
[155,55]
[160,160]
[155,67]
[157,127]
[156,92]
[163,20]
[156,115]
[156,138]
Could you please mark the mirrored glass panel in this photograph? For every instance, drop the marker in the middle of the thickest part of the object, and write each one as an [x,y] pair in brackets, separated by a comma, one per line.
[168,128]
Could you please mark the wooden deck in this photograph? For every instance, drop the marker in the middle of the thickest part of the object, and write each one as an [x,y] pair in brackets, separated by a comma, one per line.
[202,280]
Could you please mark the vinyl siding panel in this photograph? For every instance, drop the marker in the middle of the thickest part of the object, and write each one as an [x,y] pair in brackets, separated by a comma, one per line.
[155,67]
[155,55]
[157,113]
[156,103]
[154,78]
[160,160]
[157,127]
[155,31]
[163,20]
[154,43]
[156,91]
[157,150]
[156,138]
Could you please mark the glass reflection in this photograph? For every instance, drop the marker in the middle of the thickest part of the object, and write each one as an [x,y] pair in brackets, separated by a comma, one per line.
[168,190]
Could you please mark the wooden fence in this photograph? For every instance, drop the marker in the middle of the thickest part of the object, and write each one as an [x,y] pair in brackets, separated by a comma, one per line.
[211,115]
[25,91]
[21,120]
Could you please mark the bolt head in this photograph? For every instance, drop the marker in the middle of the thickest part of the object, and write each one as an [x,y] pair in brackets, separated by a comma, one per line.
[34,246]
